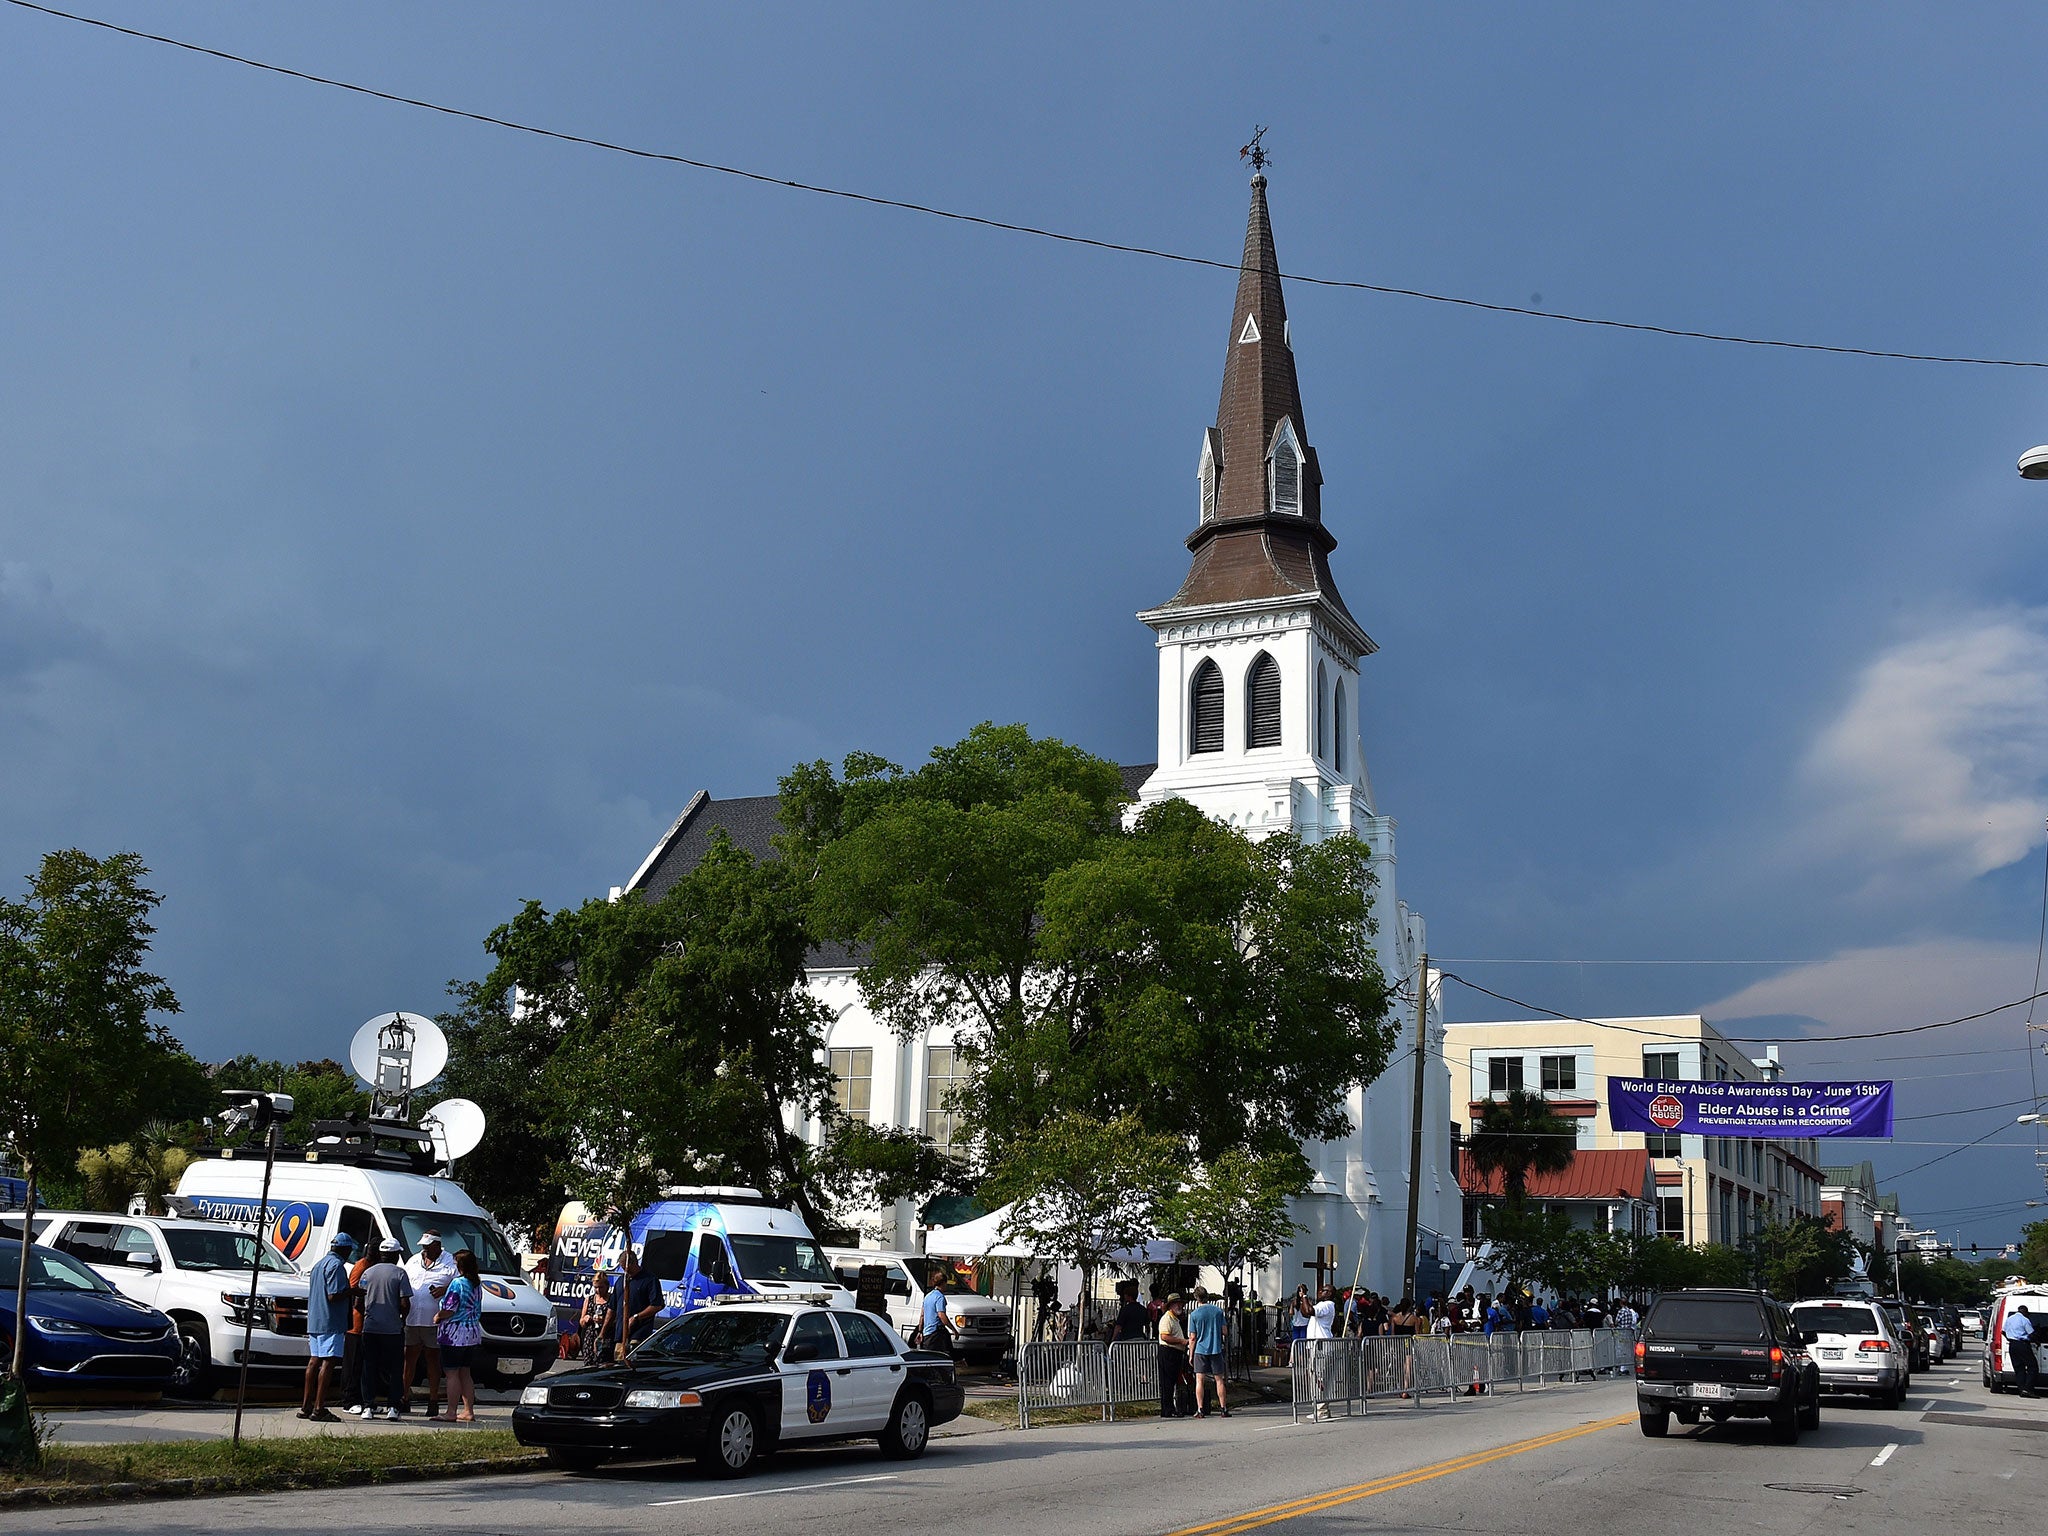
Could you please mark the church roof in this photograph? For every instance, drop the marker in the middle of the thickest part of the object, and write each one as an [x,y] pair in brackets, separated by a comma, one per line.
[1244,551]
[751,822]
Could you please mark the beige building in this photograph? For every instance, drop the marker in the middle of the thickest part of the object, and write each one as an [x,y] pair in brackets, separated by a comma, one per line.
[1715,1189]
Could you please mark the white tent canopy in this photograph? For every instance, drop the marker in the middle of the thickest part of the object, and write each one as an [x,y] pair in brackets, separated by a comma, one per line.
[983,1238]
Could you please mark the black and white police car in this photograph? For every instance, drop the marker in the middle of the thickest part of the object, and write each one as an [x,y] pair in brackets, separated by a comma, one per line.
[729,1383]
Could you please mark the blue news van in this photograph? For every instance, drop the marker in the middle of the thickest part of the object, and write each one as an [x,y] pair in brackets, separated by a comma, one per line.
[698,1243]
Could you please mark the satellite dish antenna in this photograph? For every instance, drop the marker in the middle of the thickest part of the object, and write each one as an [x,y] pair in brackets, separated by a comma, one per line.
[457,1126]
[396,1053]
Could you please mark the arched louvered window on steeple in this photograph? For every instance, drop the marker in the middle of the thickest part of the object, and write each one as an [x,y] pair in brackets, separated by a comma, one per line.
[1205,709]
[1322,710]
[1283,471]
[1338,710]
[1262,703]
[1208,473]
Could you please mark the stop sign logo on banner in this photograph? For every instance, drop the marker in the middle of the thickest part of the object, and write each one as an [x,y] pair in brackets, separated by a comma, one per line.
[1666,1110]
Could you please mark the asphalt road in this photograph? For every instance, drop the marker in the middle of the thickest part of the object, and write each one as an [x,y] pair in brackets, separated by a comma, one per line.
[1561,1460]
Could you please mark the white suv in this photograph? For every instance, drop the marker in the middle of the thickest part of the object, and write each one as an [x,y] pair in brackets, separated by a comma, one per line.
[198,1273]
[980,1327]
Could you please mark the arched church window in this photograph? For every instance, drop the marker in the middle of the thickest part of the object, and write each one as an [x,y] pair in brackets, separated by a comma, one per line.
[1208,486]
[1339,711]
[1205,709]
[1322,713]
[1283,471]
[1262,703]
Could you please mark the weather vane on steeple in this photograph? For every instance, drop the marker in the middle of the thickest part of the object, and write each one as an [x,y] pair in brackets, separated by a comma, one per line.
[1255,151]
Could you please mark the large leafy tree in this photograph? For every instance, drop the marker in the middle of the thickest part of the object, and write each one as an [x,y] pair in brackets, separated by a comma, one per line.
[1172,972]
[1803,1256]
[1233,1213]
[79,1044]
[1084,1189]
[1518,1135]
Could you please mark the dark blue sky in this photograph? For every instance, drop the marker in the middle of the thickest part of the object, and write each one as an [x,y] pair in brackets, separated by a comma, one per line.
[401,517]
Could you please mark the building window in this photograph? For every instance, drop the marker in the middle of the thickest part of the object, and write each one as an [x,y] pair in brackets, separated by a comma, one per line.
[1671,1216]
[1337,713]
[853,1079]
[1661,1066]
[1503,1074]
[1322,713]
[1205,709]
[942,1070]
[1663,1144]
[1208,485]
[1560,1074]
[1283,471]
[1262,702]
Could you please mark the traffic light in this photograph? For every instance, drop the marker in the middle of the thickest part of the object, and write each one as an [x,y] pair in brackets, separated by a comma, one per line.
[1973,1250]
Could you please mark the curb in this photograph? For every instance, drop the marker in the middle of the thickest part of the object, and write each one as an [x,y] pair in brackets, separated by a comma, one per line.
[276,1482]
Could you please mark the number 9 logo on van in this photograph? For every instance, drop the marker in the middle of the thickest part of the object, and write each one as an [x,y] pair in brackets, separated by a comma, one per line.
[293,1231]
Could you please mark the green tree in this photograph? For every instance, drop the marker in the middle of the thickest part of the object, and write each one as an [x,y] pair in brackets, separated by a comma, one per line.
[498,1058]
[864,1168]
[2033,1257]
[1802,1257]
[148,1166]
[1173,972]
[1233,1213]
[1519,1135]
[1083,1189]
[320,1090]
[79,1048]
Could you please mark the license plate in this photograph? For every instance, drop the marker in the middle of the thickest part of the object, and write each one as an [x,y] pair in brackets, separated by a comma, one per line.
[1709,1389]
[1831,1354]
[513,1365]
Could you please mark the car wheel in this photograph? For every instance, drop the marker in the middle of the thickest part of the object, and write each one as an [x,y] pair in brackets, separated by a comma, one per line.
[1656,1423]
[910,1427]
[733,1445]
[574,1459]
[1688,1415]
[192,1376]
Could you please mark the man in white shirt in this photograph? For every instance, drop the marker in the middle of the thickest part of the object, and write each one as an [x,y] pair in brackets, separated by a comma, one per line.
[429,1270]
[2019,1344]
[1322,1350]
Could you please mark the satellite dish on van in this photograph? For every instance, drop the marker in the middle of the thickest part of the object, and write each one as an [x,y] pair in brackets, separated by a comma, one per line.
[395,1062]
[457,1126]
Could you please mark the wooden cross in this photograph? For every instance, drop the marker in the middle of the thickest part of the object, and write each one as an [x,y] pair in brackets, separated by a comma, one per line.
[1324,1264]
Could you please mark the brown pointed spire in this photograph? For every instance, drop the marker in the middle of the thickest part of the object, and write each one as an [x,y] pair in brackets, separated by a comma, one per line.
[1256,541]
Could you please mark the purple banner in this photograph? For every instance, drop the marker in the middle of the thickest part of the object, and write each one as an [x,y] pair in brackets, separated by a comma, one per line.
[1785,1111]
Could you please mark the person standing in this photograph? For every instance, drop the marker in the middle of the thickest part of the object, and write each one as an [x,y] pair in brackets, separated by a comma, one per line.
[1173,1356]
[1206,1328]
[931,1322]
[386,1296]
[327,1320]
[460,1321]
[1625,1316]
[636,1303]
[1133,1318]
[428,1272]
[352,1347]
[2019,1344]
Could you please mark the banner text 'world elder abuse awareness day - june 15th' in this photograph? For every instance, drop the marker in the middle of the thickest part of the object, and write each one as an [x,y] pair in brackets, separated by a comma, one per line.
[1780,1110]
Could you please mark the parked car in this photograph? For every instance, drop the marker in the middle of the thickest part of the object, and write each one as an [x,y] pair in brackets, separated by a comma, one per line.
[1928,1321]
[82,1334]
[1973,1321]
[1998,1371]
[980,1326]
[1855,1348]
[1904,1326]
[197,1273]
[1729,1354]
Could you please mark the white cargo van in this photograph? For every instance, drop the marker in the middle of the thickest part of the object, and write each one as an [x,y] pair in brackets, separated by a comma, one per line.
[311,1201]
[980,1327]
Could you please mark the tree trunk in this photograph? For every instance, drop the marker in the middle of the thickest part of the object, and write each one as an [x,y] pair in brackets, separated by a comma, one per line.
[28,1216]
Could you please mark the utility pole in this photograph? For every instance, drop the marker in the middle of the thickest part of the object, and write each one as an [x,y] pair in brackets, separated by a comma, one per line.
[1408,1285]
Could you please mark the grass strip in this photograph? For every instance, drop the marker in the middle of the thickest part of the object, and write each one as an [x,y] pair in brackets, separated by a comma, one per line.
[298,1461]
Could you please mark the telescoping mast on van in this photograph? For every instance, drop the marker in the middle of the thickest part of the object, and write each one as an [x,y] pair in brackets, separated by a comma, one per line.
[385,1177]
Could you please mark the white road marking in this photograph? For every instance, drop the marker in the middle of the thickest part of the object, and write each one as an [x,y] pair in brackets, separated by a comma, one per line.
[754,1493]
[1883,1456]
[1261,1429]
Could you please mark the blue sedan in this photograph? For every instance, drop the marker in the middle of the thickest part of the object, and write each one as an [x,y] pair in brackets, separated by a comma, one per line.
[82,1335]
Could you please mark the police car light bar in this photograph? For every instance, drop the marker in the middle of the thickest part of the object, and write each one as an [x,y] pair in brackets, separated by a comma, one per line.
[741,1298]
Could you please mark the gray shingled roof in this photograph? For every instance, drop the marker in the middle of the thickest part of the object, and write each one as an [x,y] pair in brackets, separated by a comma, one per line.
[752,822]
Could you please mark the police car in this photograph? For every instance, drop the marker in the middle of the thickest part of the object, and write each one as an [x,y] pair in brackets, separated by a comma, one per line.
[729,1382]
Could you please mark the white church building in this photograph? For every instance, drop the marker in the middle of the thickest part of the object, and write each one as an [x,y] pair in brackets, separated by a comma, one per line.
[1259,707]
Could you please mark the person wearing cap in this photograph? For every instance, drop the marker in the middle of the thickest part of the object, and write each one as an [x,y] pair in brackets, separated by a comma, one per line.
[387,1294]
[1173,1356]
[327,1319]
[428,1272]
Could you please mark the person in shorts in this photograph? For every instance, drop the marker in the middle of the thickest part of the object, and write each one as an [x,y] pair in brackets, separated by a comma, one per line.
[328,1294]
[1206,1328]
[428,1272]
[460,1318]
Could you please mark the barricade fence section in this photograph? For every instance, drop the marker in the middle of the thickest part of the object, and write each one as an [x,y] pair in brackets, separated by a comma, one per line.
[1087,1374]
[1333,1376]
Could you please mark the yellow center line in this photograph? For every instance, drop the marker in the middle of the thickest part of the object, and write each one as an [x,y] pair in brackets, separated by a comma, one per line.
[1273,1514]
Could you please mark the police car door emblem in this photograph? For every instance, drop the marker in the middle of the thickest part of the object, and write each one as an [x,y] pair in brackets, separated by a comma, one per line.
[818,1397]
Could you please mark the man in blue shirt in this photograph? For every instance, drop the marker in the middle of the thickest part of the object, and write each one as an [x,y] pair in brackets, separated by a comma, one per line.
[327,1319]
[1206,1329]
[932,1332]
[2019,1345]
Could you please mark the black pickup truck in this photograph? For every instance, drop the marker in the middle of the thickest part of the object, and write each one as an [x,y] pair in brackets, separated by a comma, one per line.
[1729,1354]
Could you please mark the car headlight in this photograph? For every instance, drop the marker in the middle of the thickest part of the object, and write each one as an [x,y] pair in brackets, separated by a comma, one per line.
[56,1325]
[535,1396]
[649,1399]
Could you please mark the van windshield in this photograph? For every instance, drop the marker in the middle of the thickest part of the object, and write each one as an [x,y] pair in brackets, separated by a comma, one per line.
[457,1232]
[796,1260]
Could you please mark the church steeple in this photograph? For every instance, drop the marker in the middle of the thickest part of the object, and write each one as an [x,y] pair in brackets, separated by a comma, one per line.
[1261,533]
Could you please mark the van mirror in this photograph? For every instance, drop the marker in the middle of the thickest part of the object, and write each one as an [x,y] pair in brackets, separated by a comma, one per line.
[142,1260]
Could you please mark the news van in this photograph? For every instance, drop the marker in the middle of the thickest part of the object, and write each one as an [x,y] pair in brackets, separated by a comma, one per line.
[311,1201]
[698,1244]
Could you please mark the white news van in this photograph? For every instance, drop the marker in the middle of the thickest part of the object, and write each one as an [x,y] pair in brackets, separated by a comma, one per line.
[311,1201]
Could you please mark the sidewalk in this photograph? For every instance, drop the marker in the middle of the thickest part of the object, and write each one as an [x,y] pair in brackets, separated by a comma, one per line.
[216,1421]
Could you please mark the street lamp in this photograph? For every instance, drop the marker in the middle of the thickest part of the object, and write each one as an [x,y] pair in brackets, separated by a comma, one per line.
[2034,463]
[2033,1119]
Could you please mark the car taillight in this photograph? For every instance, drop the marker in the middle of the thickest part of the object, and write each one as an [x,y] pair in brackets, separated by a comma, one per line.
[1777,1357]
[1877,1344]
[1640,1350]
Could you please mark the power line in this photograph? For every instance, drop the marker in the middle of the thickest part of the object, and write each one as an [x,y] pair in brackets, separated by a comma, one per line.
[1005,225]
[1946,1155]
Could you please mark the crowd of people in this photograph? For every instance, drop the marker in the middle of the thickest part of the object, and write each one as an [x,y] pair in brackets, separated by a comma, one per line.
[384,1323]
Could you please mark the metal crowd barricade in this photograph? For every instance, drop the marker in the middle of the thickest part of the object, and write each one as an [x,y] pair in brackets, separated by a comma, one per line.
[1086,1374]
[1340,1376]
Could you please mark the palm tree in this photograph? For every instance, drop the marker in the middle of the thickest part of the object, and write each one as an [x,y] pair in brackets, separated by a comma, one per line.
[1520,1135]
